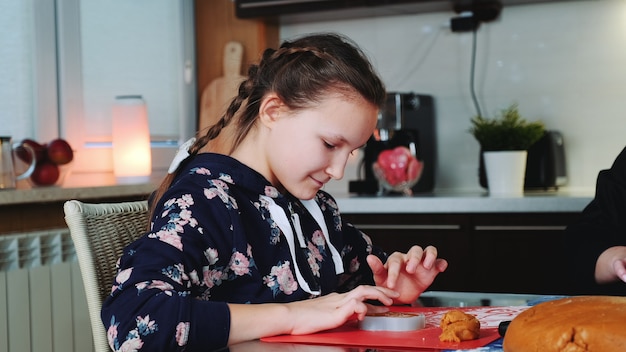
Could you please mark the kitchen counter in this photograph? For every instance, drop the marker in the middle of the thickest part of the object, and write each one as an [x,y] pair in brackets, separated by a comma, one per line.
[27,209]
[464,202]
[438,202]
[103,185]
[79,186]
[54,194]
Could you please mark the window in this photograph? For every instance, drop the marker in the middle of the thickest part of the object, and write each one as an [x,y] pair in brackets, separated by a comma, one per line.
[17,85]
[68,60]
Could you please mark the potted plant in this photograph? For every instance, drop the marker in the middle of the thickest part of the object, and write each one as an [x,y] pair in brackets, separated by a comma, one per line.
[504,141]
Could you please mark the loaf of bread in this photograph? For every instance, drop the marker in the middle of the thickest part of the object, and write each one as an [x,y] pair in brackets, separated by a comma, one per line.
[581,323]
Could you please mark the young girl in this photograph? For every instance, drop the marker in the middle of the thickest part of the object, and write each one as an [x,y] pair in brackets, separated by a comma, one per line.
[241,241]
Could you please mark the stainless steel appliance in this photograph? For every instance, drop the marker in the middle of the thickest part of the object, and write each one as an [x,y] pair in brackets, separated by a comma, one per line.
[406,118]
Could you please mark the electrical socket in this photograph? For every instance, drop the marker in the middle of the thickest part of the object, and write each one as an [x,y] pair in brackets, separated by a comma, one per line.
[464,24]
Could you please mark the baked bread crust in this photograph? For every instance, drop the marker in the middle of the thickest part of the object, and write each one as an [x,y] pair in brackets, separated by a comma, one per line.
[573,324]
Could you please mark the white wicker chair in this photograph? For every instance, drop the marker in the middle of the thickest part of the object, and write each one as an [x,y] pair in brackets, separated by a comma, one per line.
[100,232]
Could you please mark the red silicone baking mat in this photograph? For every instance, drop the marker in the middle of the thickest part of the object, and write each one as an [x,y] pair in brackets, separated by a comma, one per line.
[428,338]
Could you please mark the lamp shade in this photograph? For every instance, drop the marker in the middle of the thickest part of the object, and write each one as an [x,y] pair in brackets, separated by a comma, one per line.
[132,160]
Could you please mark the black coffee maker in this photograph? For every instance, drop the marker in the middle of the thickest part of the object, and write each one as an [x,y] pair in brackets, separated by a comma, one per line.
[406,119]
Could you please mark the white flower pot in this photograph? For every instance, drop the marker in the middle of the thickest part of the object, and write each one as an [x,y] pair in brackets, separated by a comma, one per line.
[505,171]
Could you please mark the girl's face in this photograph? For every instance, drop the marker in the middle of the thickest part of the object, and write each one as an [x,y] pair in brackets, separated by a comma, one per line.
[307,148]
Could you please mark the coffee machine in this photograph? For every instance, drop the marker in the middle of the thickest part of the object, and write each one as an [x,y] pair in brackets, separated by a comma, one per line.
[406,118]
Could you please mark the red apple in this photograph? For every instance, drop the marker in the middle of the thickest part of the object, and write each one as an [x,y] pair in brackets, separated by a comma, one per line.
[46,173]
[24,155]
[60,152]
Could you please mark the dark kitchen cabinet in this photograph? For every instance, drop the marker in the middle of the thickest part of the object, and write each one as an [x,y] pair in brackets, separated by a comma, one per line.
[487,252]
[449,233]
[44,214]
[520,253]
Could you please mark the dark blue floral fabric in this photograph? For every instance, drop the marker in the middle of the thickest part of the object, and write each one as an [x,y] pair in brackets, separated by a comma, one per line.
[213,240]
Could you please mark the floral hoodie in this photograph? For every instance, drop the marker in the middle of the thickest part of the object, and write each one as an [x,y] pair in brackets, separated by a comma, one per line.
[222,233]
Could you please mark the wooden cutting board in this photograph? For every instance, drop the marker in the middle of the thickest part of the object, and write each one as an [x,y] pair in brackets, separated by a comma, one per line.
[218,93]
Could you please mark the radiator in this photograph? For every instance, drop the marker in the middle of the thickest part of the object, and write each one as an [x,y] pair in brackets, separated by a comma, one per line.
[42,301]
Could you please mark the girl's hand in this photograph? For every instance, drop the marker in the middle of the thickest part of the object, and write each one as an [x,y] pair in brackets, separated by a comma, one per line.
[253,321]
[332,310]
[409,274]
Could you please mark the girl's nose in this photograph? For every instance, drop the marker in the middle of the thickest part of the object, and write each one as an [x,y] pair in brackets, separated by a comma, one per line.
[336,168]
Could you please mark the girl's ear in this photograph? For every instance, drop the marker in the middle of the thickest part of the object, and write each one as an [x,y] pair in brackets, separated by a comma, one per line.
[270,109]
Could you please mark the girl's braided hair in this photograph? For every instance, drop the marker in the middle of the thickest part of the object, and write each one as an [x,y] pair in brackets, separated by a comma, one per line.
[300,72]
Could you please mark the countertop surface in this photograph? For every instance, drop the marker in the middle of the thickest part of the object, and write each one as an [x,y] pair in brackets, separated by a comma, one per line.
[437,202]
[466,202]
[82,187]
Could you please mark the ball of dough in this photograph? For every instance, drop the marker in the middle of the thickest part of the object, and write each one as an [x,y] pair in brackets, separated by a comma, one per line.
[457,326]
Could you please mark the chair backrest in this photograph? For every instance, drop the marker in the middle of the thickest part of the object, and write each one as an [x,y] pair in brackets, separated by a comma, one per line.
[100,232]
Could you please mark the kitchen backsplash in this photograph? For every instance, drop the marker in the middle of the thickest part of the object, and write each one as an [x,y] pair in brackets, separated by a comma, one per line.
[562,62]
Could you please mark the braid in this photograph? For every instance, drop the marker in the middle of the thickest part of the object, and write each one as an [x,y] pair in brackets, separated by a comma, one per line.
[214,131]
[300,73]
[287,51]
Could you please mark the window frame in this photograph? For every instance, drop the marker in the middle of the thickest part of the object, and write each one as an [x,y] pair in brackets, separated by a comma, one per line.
[46,108]
[69,110]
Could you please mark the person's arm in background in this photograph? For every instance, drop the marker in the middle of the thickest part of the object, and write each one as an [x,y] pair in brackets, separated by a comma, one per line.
[596,244]
[611,265]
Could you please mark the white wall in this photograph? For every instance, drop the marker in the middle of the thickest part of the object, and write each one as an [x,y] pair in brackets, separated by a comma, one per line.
[563,62]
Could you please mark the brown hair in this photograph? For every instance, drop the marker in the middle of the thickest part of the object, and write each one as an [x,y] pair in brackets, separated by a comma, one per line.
[300,72]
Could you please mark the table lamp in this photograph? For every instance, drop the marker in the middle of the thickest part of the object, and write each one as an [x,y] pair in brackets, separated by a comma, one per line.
[132,160]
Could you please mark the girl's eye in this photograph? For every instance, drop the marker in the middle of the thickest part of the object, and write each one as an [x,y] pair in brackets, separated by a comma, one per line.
[355,151]
[328,145]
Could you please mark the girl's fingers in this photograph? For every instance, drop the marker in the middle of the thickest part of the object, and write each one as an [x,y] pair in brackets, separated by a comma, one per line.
[375,264]
[441,265]
[353,302]
[393,265]
[425,257]
[372,309]
[382,294]
[417,265]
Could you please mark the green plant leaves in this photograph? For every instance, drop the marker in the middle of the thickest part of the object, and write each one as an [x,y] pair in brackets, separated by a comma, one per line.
[508,131]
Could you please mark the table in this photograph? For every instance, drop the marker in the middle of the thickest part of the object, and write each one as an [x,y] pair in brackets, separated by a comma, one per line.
[260,346]
[499,313]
